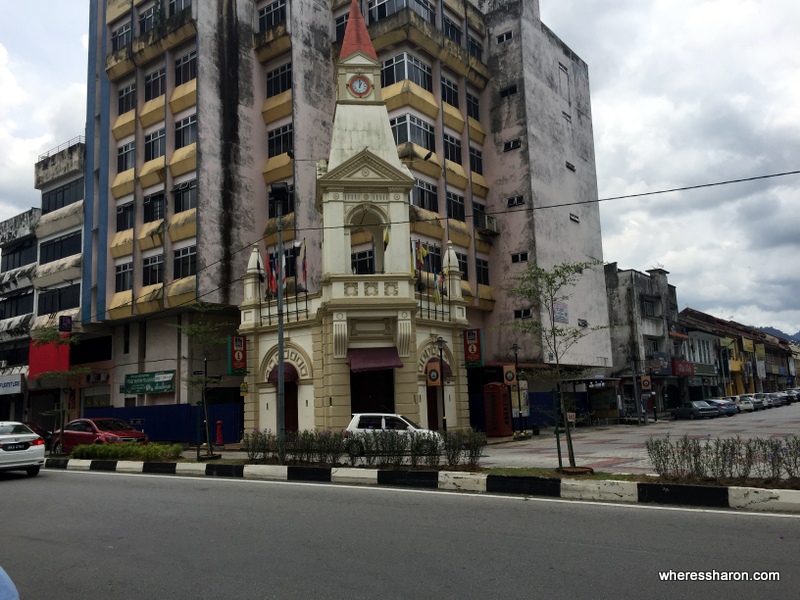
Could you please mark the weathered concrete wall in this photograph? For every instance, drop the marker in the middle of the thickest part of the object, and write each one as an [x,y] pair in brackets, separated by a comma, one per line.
[19,226]
[67,162]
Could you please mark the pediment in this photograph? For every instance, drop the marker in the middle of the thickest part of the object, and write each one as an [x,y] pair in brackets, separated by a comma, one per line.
[365,168]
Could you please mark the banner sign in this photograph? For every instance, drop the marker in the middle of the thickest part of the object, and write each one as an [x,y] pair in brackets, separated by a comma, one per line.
[237,355]
[509,375]
[473,348]
[747,345]
[561,312]
[682,368]
[154,382]
[434,374]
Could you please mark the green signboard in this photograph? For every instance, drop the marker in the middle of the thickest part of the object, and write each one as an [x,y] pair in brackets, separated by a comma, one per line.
[155,382]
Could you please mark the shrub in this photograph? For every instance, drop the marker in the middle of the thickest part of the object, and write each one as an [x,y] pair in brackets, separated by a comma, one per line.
[128,451]
[453,447]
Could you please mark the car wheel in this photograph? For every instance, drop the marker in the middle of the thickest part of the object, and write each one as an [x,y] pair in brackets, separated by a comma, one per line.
[57,449]
[691,416]
[33,471]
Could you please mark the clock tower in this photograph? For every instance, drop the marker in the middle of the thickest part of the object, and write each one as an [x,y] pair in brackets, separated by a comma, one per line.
[359,70]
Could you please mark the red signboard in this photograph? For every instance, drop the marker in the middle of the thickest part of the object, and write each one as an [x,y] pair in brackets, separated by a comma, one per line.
[237,353]
[473,351]
[682,368]
[47,358]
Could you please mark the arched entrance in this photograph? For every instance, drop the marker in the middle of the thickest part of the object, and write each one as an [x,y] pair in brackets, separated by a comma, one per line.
[291,418]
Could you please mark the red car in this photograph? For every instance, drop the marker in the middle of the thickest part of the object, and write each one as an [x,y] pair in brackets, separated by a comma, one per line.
[95,431]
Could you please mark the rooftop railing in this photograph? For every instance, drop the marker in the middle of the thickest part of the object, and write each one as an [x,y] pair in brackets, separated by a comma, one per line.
[73,142]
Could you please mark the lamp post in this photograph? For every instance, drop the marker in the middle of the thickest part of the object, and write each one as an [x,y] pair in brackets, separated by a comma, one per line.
[440,344]
[515,349]
[280,192]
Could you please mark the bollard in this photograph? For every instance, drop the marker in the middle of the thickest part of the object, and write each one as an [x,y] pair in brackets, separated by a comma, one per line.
[220,441]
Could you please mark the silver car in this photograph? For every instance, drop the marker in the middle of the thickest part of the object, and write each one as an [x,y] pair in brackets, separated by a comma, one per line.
[20,448]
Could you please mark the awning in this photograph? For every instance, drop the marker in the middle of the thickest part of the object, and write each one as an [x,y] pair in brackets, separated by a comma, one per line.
[446,371]
[373,359]
[289,373]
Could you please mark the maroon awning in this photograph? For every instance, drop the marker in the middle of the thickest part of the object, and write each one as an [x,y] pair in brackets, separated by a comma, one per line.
[446,371]
[373,359]
[289,373]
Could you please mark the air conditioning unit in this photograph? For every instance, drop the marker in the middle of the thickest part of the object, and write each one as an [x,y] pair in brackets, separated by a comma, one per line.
[489,225]
[102,377]
[3,364]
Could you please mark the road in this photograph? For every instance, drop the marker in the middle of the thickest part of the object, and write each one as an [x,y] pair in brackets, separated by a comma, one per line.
[78,535]
[621,448]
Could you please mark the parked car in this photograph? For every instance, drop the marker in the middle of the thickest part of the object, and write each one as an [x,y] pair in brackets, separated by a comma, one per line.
[758,404]
[95,431]
[743,403]
[20,448]
[363,422]
[724,406]
[696,409]
[777,399]
[786,398]
[764,398]
[43,433]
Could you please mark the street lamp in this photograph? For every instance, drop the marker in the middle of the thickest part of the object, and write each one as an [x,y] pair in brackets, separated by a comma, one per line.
[280,193]
[515,349]
[440,344]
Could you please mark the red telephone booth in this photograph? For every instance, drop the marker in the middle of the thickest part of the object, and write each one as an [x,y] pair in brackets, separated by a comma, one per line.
[498,410]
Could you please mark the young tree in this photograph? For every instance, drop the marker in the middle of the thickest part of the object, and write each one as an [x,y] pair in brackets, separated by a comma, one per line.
[546,290]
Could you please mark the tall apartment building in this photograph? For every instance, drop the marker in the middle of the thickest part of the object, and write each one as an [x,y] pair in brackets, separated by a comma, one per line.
[197,109]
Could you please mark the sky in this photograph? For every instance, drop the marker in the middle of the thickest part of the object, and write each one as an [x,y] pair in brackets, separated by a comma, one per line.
[684,93]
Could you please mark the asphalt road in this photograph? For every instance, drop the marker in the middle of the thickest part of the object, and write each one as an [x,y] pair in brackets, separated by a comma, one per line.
[76,535]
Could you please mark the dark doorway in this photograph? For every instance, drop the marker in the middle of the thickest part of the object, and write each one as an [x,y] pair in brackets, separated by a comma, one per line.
[372,391]
[290,419]
[434,397]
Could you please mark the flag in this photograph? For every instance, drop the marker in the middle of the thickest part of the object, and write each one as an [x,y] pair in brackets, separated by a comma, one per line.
[437,296]
[273,282]
[261,280]
[304,264]
[283,269]
[442,285]
[385,238]
[422,252]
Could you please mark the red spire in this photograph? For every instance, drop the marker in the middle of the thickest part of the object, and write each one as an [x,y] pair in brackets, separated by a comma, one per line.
[356,36]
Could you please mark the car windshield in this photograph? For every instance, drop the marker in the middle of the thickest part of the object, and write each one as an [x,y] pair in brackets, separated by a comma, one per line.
[14,429]
[112,425]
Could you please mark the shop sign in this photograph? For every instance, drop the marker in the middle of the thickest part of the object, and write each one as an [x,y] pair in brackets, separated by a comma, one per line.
[682,368]
[659,364]
[154,382]
[10,384]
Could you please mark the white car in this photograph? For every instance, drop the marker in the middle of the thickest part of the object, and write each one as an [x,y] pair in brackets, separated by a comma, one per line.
[20,448]
[364,422]
[743,403]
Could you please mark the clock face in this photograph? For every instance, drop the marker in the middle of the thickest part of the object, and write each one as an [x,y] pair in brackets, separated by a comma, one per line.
[360,85]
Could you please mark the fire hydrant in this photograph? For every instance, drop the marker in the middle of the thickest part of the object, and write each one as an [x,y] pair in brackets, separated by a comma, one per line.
[220,441]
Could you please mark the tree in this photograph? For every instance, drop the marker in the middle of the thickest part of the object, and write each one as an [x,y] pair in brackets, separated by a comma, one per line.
[547,290]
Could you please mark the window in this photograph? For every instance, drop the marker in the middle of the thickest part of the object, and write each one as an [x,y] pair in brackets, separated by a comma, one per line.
[463,265]
[286,207]
[123,277]
[504,37]
[185,263]
[272,15]
[280,140]
[651,346]
[508,91]
[451,30]
[64,298]
[186,68]
[126,99]
[380,9]
[155,84]
[185,195]
[425,195]
[455,207]
[406,66]
[482,271]
[60,247]
[362,262]
[512,145]
[519,257]
[476,160]
[121,37]
[450,92]
[62,196]
[341,26]
[14,306]
[279,80]
[186,131]
[176,6]
[452,148]
[433,262]
[153,270]
[155,144]
[126,157]
[153,207]
[19,255]
[147,20]
[479,215]
[648,308]
[474,47]
[409,128]
[125,216]
[290,261]
[515,201]
[570,166]
[473,107]
[523,313]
